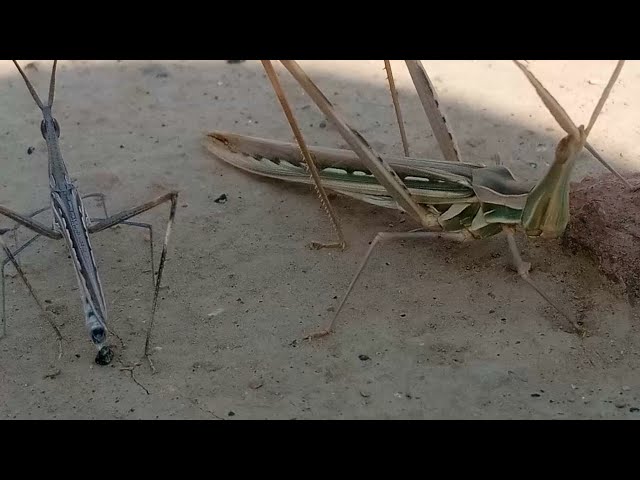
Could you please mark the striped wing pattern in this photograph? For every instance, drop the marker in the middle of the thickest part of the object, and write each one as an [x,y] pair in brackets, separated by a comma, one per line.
[72,220]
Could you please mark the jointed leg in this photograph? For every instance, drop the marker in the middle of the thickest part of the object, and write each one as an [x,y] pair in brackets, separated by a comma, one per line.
[385,175]
[523,270]
[431,105]
[33,294]
[124,216]
[141,225]
[396,106]
[2,279]
[383,236]
[31,224]
[40,229]
[324,200]
[103,204]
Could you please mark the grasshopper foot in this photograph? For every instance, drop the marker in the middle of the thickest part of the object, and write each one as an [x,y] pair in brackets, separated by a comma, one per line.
[320,334]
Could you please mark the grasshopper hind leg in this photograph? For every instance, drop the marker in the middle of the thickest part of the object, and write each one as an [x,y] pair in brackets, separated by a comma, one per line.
[313,170]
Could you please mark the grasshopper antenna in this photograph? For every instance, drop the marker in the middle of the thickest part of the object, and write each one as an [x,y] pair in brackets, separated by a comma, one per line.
[52,85]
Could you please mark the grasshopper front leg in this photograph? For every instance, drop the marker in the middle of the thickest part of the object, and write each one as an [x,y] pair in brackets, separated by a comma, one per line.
[523,268]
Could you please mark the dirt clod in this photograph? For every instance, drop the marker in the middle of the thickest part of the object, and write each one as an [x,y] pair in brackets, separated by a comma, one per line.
[605,224]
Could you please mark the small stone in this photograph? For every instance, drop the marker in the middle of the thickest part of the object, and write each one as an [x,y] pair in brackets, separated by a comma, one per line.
[30,150]
[322,124]
[535,395]
[216,312]
[255,384]
[231,414]
[620,404]
[364,358]
[626,388]
[365,394]
[634,409]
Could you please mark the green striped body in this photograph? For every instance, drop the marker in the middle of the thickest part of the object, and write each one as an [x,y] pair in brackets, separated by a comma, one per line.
[457,196]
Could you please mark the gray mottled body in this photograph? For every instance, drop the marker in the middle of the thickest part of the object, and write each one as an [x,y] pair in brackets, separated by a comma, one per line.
[72,221]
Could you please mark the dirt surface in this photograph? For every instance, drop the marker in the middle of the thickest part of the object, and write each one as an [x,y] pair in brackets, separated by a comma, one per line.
[605,224]
[433,330]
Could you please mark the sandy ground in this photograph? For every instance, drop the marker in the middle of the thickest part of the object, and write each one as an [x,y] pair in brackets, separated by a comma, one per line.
[434,330]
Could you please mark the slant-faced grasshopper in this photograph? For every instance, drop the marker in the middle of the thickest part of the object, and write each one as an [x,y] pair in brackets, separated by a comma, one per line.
[463,201]
[71,222]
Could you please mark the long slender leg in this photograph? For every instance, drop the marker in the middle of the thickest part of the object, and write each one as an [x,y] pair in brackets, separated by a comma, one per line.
[523,270]
[384,236]
[387,177]
[31,224]
[127,214]
[33,294]
[431,104]
[8,260]
[2,279]
[396,106]
[40,229]
[150,229]
[565,122]
[324,200]
[103,204]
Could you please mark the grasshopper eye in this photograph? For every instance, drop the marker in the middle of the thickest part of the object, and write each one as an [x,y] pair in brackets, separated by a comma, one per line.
[56,127]
[43,128]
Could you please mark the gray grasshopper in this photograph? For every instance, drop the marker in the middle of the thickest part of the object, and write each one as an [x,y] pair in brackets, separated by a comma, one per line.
[72,223]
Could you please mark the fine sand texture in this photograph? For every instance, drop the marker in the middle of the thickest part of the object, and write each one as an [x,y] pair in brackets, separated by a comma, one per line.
[433,330]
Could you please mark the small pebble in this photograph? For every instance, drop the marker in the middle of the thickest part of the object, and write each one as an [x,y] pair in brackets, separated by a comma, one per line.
[30,150]
[322,124]
[626,388]
[255,384]
[216,312]
[231,414]
[364,358]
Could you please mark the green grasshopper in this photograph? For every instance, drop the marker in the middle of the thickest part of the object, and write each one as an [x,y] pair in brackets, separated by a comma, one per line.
[449,198]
